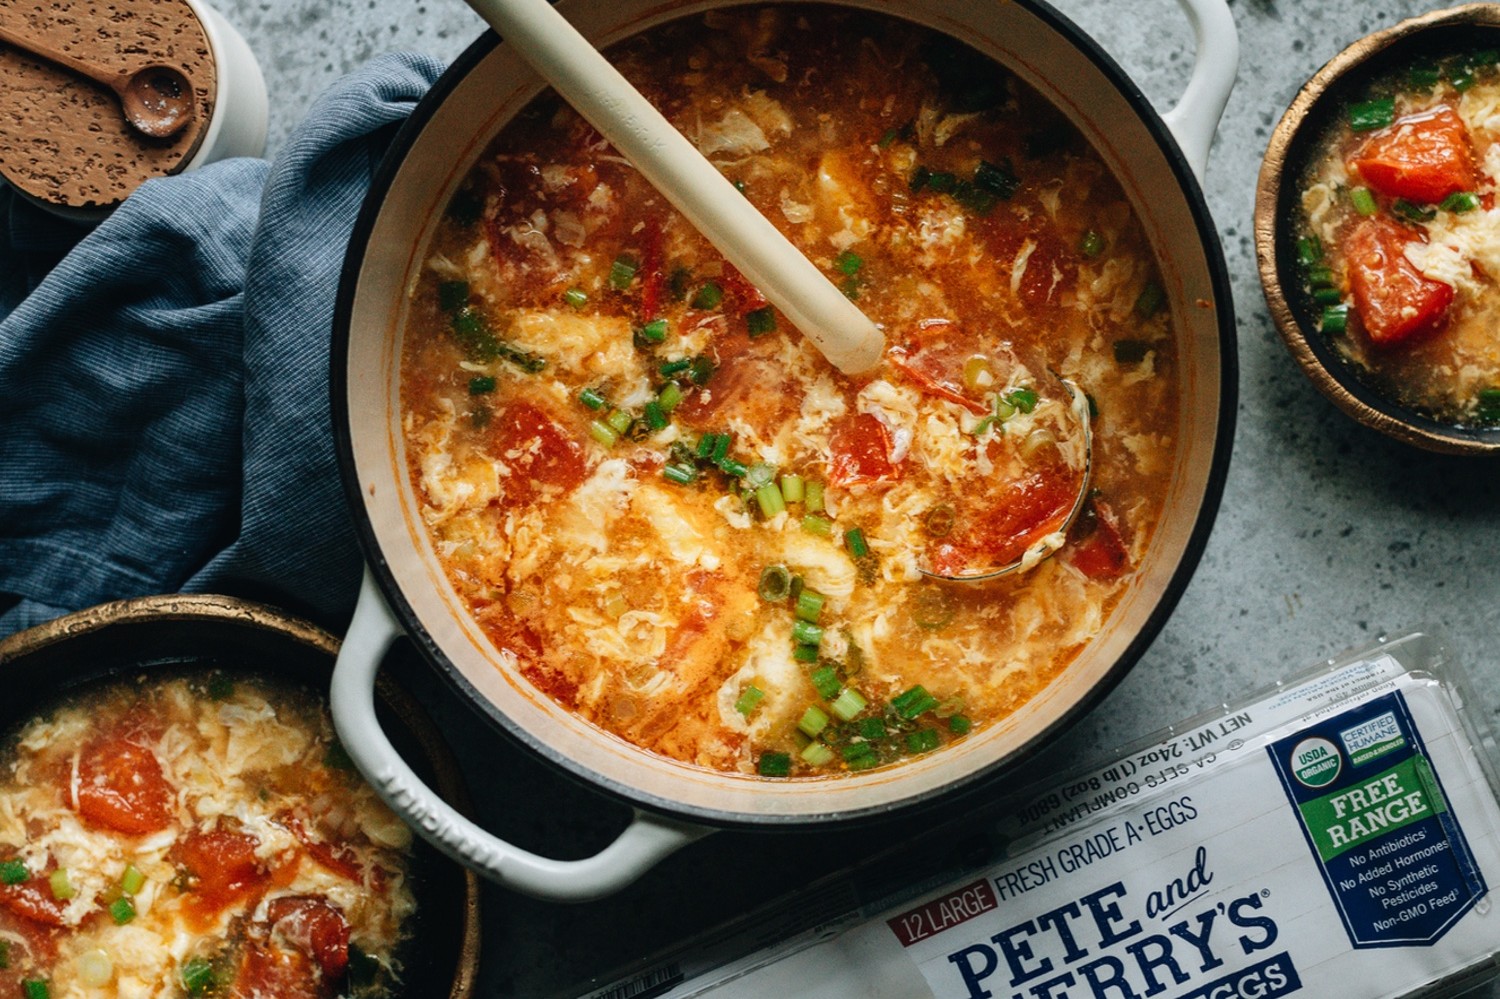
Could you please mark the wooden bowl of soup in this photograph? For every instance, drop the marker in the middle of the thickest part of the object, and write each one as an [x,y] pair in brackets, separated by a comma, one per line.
[645,529]
[1377,233]
[181,819]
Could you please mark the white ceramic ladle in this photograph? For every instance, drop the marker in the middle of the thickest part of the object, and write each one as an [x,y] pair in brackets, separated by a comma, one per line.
[586,80]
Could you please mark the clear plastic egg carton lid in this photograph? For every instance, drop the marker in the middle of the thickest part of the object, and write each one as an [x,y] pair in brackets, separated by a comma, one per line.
[1336,835]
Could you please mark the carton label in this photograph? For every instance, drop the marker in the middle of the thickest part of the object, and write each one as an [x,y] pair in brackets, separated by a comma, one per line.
[1373,812]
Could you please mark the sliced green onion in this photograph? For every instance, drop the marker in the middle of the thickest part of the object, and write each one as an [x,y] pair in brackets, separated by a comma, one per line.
[814,523]
[132,881]
[941,181]
[849,262]
[817,754]
[775,764]
[1413,212]
[576,297]
[197,976]
[810,605]
[854,540]
[680,474]
[1000,180]
[1320,277]
[1363,200]
[1462,80]
[922,740]
[1091,245]
[749,699]
[805,653]
[770,499]
[122,910]
[603,433]
[654,332]
[1424,74]
[1023,399]
[813,497]
[1309,250]
[670,368]
[36,988]
[62,888]
[14,872]
[707,297]
[706,445]
[453,295]
[775,584]
[592,399]
[825,681]
[481,385]
[721,448]
[1460,201]
[669,398]
[814,720]
[655,416]
[700,371]
[732,468]
[759,474]
[620,421]
[760,321]
[959,725]
[1368,115]
[872,728]
[1149,300]
[806,633]
[933,607]
[860,755]
[913,702]
[1335,318]
[1327,296]
[848,704]
[1487,404]
[622,272]
[939,521]
[791,488]
[974,199]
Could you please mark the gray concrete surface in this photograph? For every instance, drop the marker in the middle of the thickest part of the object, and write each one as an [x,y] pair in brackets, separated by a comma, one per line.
[1328,534]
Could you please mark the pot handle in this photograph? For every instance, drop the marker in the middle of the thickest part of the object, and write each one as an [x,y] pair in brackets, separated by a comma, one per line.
[644,843]
[1195,117]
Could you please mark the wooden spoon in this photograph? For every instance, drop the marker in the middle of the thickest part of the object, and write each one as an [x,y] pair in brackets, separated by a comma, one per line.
[157,101]
[586,80]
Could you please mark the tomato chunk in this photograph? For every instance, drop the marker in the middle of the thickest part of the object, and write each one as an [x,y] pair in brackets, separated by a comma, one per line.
[1421,157]
[223,865]
[121,786]
[934,362]
[538,452]
[313,926]
[1395,301]
[997,533]
[33,900]
[861,449]
[265,971]
[1095,545]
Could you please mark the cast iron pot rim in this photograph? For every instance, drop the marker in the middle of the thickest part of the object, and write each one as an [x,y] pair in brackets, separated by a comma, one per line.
[959,787]
[1314,353]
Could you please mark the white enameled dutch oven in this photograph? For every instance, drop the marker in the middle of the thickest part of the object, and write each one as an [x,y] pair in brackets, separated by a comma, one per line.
[1158,160]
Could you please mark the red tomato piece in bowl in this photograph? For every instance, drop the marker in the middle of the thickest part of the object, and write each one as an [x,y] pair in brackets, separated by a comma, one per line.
[861,448]
[1395,301]
[1422,157]
[121,787]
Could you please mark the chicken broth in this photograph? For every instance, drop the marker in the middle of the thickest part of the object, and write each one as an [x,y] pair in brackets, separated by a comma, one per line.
[670,514]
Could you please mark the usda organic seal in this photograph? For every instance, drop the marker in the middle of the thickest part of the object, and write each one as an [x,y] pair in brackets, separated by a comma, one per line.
[1316,762]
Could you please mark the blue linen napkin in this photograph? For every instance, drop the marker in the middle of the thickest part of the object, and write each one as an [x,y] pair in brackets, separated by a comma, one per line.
[164,415]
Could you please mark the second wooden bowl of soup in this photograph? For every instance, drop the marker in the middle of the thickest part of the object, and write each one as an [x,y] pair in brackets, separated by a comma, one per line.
[1377,232]
[180,820]
[646,529]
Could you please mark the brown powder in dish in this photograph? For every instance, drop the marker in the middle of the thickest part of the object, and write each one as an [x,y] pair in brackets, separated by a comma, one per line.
[63,139]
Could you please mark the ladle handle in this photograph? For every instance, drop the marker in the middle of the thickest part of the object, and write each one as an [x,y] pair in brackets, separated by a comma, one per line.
[1216,59]
[587,81]
[645,842]
[101,76]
